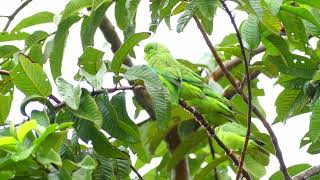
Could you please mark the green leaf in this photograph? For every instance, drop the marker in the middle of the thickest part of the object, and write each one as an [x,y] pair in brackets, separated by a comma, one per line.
[4,141]
[155,21]
[126,47]
[112,125]
[295,32]
[50,157]
[25,128]
[38,18]
[87,163]
[74,6]
[91,23]
[7,51]
[6,36]
[35,38]
[36,55]
[120,14]
[82,174]
[91,60]
[30,78]
[314,132]
[88,109]
[313,3]
[121,168]
[291,82]
[101,145]
[293,170]
[186,16]
[104,169]
[5,101]
[288,103]
[208,168]
[302,13]
[95,80]
[41,117]
[60,37]
[250,32]
[70,94]
[158,92]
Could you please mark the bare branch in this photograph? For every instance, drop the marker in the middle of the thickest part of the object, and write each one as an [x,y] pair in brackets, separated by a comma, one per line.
[248,79]
[200,119]
[212,151]
[4,72]
[304,175]
[245,98]
[13,15]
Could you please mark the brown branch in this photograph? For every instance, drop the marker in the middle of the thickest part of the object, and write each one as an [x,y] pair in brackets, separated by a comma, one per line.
[230,64]
[248,80]
[245,98]
[4,72]
[304,175]
[200,119]
[136,172]
[212,151]
[13,15]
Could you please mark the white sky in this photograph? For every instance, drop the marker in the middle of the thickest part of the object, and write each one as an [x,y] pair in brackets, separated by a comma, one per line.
[188,45]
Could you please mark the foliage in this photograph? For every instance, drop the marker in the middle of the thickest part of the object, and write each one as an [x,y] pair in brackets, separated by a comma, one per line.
[89,133]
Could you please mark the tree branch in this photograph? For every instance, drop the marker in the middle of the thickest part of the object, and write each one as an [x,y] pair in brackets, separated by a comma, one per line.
[4,72]
[304,175]
[248,79]
[230,64]
[245,98]
[212,151]
[13,15]
[200,119]
[136,172]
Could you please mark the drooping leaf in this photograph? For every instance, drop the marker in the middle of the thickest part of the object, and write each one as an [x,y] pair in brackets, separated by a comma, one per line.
[88,109]
[288,103]
[35,19]
[250,32]
[91,60]
[186,16]
[70,94]
[74,6]
[6,51]
[35,98]
[5,101]
[60,38]
[123,51]
[91,23]
[314,133]
[30,78]
[159,94]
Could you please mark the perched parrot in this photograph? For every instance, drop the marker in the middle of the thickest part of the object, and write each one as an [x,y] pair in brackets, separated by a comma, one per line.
[185,84]
[233,136]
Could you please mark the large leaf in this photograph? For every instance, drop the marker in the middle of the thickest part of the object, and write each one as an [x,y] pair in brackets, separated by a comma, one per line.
[302,13]
[88,109]
[74,6]
[158,92]
[91,23]
[6,51]
[60,37]
[70,94]
[186,16]
[5,101]
[112,124]
[288,103]
[314,132]
[126,47]
[87,131]
[314,3]
[6,36]
[38,18]
[91,60]
[35,38]
[30,78]
[250,32]
[25,128]
[293,170]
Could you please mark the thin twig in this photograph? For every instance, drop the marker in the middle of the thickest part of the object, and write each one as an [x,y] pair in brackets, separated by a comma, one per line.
[135,171]
[248,80]
[200,119]
[304,175]
[245,98]
[4,72]
[212,151]
[13,15]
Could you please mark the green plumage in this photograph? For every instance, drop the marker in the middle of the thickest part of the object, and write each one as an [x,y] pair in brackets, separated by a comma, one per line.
[185,84]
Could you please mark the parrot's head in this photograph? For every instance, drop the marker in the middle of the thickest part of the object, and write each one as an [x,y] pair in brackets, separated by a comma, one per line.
[154,48]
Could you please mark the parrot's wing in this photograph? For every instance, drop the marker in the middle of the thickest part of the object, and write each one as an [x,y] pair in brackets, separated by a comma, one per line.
[172,88]
[238,129]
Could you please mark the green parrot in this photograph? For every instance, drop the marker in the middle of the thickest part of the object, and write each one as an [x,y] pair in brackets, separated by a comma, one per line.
[185,84]
[233,136]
